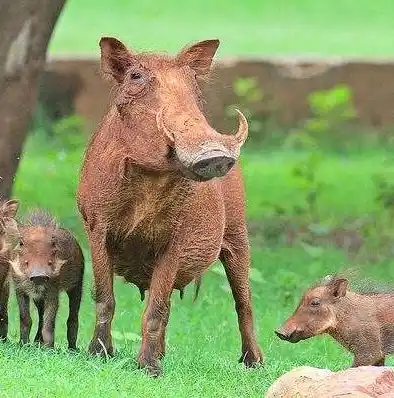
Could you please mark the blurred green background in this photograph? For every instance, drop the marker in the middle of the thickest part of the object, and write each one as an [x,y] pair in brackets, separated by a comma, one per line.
[251,27]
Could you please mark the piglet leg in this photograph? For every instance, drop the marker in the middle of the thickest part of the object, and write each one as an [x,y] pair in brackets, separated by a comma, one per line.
[40,309]
[51,306]
[380,362]
[235,259]
[368,359]
[4,295]
[74,297]
[24,316]
[367,348]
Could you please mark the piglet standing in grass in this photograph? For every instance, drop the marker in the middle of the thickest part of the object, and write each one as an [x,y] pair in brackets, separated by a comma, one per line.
[361,322]
[9,238]
[47,261]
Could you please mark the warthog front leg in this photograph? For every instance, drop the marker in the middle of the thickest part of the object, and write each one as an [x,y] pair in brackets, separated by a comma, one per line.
[101,343]
[155,318]
[235,259]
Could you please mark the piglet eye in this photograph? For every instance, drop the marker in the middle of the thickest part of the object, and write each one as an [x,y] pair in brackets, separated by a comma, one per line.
[135,76]
[315,302]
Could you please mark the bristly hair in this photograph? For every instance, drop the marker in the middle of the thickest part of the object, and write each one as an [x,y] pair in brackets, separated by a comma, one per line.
[366,286]
[39,218]
[371,287]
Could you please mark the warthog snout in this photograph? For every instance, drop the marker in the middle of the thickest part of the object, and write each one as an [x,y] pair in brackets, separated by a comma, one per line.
[39,276]
[202,152]
[213,163]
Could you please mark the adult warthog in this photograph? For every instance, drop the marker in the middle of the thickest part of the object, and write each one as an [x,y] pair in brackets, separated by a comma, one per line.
[161,194]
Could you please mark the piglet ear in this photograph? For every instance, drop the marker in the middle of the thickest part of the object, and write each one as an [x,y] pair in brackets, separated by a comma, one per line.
[115,58]
[338,287]
[199,56]
[10,208]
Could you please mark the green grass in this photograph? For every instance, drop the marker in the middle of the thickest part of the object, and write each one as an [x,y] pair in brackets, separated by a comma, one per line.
[203,340]
[203,344]
[252,27]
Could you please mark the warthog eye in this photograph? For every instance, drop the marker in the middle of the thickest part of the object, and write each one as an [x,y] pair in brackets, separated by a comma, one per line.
[315,302]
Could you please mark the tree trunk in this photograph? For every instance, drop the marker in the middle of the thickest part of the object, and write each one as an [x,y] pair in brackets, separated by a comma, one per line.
[25,29]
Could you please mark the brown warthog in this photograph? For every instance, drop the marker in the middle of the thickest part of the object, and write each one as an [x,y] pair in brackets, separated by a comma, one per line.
[153,210]
[362,322]
[48,260]
[9,239]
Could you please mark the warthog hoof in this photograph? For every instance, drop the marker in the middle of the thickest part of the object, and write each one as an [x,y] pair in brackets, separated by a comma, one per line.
[151,367]
[252,358]
[101,348]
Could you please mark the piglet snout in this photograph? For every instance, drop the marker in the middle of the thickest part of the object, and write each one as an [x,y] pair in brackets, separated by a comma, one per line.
[286,335]
[281,335]
[39,276]
[293,335]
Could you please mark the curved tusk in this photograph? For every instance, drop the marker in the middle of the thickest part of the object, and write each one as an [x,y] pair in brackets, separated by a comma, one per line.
[162,128]
[242,132]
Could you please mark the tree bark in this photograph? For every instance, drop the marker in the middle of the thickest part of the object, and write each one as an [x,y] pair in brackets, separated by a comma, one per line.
[25,30]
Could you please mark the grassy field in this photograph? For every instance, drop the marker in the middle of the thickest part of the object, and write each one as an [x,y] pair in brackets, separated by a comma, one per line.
[251,27]
[203,339]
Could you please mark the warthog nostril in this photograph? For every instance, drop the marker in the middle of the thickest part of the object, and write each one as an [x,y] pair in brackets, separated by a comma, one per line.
[225,165]
[213,165]
[202,164]
[40,279]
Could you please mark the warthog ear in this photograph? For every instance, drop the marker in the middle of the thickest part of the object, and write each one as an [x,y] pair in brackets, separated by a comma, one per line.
[115,58]
[199,56]
[10,208]
[338,287]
